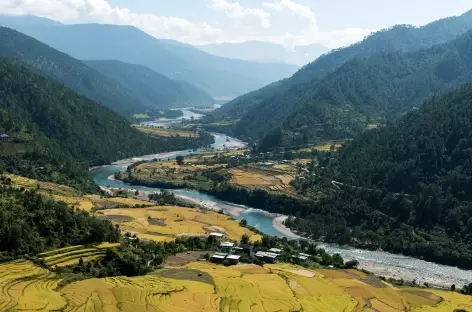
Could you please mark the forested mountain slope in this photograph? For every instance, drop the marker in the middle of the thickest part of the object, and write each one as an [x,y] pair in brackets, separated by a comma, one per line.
[405,187]
[287,92]
[56,134]
[151,88]
[68,71]
[381,87]
[173,59]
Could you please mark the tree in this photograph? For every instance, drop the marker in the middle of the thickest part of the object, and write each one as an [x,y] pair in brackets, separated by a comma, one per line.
[243,223]
[245,239]
[180,160]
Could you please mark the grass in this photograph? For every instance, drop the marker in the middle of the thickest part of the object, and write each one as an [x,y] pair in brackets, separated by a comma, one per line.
[165,223]
[202,286]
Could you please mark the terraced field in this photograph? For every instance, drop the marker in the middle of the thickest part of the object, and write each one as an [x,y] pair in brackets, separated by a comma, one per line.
[71,255]
[165,223]
[201,286]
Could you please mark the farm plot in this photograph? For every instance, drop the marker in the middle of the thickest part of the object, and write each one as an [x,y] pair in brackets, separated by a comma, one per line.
[165,223]
[202,286]
[275,181]
[27,287]
[72,255]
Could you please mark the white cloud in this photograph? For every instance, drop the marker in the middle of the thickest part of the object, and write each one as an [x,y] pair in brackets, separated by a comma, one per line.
[278,21]
[299,10]
[249,17]
[101,11]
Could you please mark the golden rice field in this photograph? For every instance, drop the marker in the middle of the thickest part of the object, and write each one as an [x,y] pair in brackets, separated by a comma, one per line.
[202,286]
[165,223]
[256,178]
[71,255]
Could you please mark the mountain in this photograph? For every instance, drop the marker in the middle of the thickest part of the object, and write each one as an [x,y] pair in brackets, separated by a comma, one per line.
[406,187]
[266,52]
[175,60]
[151,88]
[68,71]
[56,134]
[364,91]
[280,98]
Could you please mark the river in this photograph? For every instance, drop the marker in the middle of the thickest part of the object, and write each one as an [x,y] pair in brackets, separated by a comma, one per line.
[378,262]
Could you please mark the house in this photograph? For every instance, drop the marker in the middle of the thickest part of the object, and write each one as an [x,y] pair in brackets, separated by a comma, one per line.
[301,258]
[227,246]
[275,250]
[5,137]
[233,259]
[217,235]
[244,248]
[218,257]
[269,257]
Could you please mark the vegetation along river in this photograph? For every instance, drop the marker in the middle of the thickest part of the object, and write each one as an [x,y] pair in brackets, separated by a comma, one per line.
[378,262]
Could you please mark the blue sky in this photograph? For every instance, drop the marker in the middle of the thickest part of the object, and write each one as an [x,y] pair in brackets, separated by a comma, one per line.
[333,23]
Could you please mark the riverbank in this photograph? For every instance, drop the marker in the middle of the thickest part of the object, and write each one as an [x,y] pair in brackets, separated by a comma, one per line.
[279,225]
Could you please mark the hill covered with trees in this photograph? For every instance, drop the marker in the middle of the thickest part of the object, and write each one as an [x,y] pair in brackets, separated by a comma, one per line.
[69,71]
[56,134]
[171,58]
[403,188]
[364,91]
[151,88]
[283,98]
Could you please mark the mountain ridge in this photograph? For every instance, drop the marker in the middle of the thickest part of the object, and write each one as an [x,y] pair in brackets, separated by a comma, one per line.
[175,60]
[281,98]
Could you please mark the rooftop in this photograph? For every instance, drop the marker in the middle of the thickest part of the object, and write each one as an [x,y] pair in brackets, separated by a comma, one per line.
[266,254]
[217,234]
[226,244]
[233,257]
[275,250]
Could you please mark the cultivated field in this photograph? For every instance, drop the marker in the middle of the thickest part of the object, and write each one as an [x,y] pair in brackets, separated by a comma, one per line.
[201,286]
[273,179]
[323,147]
[55,191]
[71,255]
[167,132]
[165,223]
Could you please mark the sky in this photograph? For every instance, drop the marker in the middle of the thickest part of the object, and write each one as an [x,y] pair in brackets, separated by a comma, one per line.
[332,23]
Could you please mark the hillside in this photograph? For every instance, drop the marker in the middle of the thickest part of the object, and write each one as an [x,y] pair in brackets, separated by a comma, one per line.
[56,133]
[364,91]
[286,93]
[151,88]
[175,60]
[403,188]
[68,71]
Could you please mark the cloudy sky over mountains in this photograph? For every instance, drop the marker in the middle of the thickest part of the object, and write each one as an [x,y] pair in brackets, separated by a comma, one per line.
[333,23]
